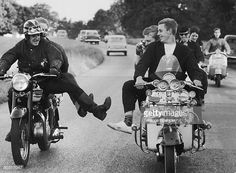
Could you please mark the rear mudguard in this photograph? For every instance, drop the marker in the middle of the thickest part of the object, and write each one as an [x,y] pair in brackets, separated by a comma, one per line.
[171,136]
[18,112]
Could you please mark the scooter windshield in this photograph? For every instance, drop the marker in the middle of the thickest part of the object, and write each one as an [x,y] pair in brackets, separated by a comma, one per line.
[168,64]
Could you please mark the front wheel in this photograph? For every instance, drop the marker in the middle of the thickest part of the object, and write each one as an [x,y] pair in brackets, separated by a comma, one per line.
[217,80]
[20,145]
[170,159]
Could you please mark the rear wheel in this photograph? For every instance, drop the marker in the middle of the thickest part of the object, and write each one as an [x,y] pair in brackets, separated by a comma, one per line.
[20,145]
[170,159]
[217,80]
[108,53]
[125,53]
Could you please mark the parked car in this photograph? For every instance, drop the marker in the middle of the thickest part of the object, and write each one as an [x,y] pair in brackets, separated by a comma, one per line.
[89,36]
[116,43]
[231,40]
[62,33]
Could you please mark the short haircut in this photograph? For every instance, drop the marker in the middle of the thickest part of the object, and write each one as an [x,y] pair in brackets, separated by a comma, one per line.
[152,28]
[216,29]
[169,24]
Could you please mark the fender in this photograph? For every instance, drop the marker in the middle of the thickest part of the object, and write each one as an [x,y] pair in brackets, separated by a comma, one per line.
[18,112]
[171,136]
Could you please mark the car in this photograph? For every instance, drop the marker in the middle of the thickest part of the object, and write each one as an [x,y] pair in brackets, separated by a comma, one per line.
[89,36]
[231,40]
[116,43]
[62,33]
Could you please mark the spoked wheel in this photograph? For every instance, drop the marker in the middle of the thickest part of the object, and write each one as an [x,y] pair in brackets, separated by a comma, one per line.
[20,145]
[217,80]
[170,159]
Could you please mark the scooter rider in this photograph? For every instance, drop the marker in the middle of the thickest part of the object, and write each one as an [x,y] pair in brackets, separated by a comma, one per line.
[37,55]
[44,24]
[217,43]
[166,51]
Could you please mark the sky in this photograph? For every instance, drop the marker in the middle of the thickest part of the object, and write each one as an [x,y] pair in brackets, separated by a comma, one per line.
[75,10]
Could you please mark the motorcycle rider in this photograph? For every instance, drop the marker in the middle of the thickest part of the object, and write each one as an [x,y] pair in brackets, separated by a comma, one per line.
[217,43]
[44,24]
[37,55]
[164,52]
[184,35]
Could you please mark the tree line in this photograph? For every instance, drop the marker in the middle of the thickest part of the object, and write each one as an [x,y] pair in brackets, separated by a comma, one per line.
[128,17]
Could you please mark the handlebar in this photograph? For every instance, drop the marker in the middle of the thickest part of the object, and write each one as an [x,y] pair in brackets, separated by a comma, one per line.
[10,76]
[211,53]
[155,83]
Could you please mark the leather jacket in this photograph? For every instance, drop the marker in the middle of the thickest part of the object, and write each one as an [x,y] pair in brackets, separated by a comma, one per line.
[32,59]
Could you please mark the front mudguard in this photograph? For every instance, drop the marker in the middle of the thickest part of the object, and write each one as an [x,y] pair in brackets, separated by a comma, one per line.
[18,112]
[171,136]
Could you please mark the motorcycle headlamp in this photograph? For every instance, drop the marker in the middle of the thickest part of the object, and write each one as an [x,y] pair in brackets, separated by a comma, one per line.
[20,82]
[163,85]
[184,96]
[192,94]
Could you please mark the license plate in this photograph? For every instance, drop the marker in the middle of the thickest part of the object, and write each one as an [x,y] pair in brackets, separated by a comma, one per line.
[170,114]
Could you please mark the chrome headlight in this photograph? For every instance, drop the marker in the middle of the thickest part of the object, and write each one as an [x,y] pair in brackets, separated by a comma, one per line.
[20,82]
[175,84]
[192,94]
[184,96]
[163,85]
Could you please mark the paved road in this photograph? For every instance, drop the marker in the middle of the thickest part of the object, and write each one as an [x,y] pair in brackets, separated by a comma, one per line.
[90,146]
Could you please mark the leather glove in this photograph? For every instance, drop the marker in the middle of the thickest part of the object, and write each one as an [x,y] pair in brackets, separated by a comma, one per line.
[54,71]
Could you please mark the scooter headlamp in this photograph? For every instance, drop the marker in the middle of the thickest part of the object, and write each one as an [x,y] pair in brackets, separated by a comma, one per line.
[20,82]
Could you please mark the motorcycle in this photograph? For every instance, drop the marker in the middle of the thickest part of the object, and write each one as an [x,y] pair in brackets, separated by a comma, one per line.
[33,116]
[170,122]
[217,67]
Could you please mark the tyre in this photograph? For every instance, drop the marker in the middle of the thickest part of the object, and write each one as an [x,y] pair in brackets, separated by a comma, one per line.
[108,53]
[20,145]
[170,159]
[218,80]
[44,142]
[125,53]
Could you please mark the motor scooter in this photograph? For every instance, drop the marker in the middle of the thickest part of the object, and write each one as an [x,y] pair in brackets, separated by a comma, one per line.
[217,67]
[170,122]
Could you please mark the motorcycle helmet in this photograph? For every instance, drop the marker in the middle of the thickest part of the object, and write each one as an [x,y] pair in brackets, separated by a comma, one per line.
[31,27]
[44,24]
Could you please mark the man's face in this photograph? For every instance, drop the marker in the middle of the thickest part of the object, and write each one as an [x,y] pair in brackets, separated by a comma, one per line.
[34,39]
[217,33]
[163,34]
[184,36]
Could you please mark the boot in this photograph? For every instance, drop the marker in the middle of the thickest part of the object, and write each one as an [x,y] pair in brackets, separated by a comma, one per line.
[99,111]
[80,110]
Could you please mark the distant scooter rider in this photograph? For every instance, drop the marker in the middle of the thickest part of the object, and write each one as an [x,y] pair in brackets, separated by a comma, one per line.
[44,24]
[217,43]
[36,55]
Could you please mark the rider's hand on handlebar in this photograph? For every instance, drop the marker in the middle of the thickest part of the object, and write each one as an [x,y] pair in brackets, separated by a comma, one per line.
[139,84]
[197,83]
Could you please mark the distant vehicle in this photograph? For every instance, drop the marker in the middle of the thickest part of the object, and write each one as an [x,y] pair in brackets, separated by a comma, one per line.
[116,43]
[231,40]
[62,33]
[89,36]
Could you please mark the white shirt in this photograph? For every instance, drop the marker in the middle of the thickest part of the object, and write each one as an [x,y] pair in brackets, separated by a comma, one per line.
[169,49]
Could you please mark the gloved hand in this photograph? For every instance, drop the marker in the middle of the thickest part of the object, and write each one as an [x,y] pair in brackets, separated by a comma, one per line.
[54,71]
